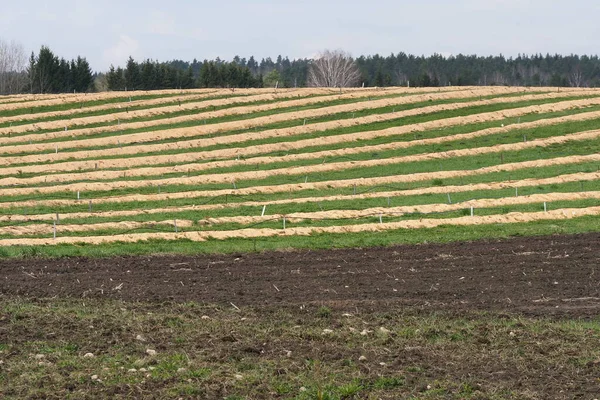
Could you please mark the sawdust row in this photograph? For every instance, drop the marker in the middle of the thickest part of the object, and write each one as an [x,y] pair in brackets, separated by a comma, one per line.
[402,210]
[54,156]
[561,214]
[40,100]
[292,171]
[206,100]
[298,217]
[237,97]
[117,107]
[48,229]
[217,127]
[43,100]
[165,112]
[140,199]
[183,166]
[20,98]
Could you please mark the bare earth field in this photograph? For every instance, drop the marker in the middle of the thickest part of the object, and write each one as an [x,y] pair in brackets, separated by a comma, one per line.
[535,275]
[489,319]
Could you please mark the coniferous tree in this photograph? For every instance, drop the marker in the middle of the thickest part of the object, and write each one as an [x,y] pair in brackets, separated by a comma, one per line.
[83,80]
[132,75]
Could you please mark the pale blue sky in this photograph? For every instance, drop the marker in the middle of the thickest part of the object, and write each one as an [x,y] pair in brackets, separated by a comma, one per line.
[109,31]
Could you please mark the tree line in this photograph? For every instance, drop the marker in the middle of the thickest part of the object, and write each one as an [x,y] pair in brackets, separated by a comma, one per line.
[43,73]
[47,73]
[151,75]
[409,70]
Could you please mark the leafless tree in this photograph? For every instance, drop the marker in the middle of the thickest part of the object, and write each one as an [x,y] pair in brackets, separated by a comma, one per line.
[333,69]
[12,66]
[576,77]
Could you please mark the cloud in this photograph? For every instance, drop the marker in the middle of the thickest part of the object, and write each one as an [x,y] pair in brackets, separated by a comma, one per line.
[161,23]
[118,54]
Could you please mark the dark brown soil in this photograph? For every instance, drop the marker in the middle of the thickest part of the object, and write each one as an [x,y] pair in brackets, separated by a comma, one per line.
[553,275]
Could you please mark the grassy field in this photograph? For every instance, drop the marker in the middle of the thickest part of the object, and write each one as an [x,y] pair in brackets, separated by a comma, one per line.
[194,351]
[329,149]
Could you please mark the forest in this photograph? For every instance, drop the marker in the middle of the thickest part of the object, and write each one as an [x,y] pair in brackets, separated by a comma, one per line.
[47,73]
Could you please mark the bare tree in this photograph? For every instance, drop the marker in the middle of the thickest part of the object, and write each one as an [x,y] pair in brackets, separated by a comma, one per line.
[576,77]
[12,66]
[333,69]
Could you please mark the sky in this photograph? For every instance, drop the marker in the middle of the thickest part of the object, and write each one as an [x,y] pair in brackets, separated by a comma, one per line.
[109,31]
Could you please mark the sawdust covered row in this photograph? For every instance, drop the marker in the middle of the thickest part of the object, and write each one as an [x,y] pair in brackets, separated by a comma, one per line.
[291,171]
[55,153]
[191,103]
[297,217]
[365,182]
[184,161]
[48,229]
[560,214]
[73,123]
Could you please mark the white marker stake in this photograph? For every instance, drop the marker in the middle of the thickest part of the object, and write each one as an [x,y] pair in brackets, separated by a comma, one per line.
[284,223]
[545,207]
[175,224]
[56,149]
[380,219]
[306,179]
[78,195]
[449,199]
[262,214]
[471,211]
[516,192]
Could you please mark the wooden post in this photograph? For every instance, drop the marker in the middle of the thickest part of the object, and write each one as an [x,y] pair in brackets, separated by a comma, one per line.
[54,230]
[175,224]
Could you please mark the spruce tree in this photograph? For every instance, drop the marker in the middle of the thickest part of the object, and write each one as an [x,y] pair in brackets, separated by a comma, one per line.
[132,75]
